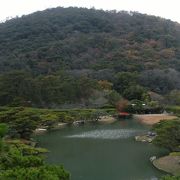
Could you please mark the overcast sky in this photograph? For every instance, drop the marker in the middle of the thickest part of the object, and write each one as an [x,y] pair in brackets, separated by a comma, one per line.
[165,8]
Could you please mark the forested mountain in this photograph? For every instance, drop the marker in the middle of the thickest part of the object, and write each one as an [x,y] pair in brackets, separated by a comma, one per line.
[101,45]
[77,38]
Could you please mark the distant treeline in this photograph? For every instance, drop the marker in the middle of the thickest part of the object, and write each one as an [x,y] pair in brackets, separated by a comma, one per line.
[19,88]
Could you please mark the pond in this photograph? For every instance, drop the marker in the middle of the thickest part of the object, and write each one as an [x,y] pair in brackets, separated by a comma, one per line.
[102,152]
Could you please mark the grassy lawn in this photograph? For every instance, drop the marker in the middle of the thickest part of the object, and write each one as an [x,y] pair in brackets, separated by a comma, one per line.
[174,109]
[175,154]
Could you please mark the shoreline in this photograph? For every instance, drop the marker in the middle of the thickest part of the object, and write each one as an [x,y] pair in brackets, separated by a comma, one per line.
[169,164]
[102,120]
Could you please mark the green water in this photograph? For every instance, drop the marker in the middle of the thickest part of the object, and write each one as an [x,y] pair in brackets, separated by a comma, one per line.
[102,152]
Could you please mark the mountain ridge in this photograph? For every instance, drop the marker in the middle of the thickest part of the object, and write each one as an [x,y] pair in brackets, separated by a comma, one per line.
[80,38]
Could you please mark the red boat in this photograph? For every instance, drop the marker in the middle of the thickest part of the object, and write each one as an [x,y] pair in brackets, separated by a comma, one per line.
[124,114]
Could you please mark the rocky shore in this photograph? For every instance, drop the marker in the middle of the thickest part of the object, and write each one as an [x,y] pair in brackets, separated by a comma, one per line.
[148,137]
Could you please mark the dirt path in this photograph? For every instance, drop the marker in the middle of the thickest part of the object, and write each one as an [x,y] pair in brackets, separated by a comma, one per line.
[151,119]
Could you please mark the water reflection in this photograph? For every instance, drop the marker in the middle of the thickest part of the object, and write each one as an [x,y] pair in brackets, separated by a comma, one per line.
[107,134]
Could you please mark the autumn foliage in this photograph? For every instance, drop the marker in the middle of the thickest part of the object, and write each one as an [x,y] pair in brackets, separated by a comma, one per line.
[122,105]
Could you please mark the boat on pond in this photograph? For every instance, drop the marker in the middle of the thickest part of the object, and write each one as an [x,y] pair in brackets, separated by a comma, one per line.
[124,115]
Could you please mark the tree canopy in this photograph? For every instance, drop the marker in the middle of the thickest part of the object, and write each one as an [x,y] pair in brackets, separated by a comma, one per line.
[23,162]
[66,56]
[168,134]
[80,38]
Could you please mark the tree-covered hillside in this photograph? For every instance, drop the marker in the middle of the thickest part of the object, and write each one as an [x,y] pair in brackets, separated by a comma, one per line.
[77,38]
[44,57]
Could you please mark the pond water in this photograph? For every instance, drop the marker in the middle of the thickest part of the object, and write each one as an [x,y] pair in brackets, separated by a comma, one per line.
[102,152]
